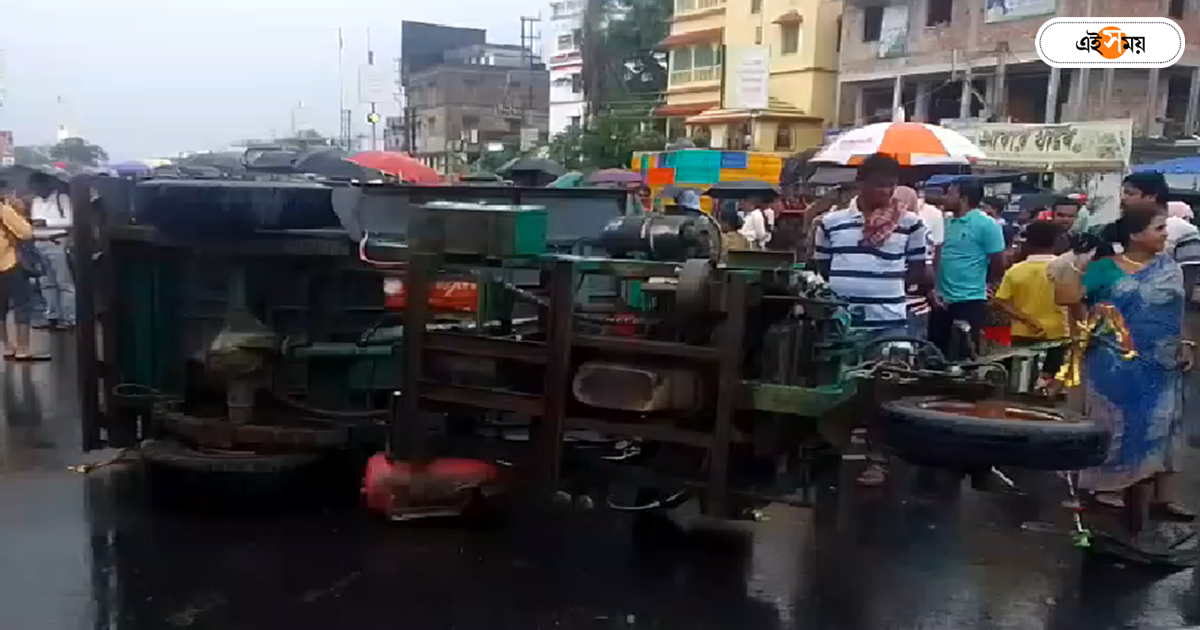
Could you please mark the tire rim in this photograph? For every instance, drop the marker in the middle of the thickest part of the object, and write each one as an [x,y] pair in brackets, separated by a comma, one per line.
[993,411]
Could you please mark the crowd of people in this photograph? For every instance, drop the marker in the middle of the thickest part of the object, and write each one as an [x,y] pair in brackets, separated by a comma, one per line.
[36,282]
[927,266]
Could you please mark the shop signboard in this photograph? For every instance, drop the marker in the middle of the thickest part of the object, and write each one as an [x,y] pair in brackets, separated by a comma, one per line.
[1093,144]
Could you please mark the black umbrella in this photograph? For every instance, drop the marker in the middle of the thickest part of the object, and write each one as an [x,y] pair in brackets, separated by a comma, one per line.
[832,176]
[481,176]
[332,164]
[526,165]
[200,172]
[742,190]
[326,162]
[228,163]
[272,162]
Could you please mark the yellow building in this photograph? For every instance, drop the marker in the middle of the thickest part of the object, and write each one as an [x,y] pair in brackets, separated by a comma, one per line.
[803,39]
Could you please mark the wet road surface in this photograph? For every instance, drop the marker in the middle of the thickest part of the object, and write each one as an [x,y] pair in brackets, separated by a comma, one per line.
[85,552]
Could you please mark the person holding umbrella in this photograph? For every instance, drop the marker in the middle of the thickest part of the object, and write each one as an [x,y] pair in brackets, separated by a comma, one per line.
[872,249]
[755,224]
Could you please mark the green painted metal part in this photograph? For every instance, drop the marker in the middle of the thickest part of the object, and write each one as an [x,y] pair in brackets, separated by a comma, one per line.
[149,346]
[341,351]
[477,230]
[356,367]
[809,402]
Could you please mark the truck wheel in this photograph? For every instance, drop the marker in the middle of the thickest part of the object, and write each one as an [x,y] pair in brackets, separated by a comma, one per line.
[179,476]
[967,435]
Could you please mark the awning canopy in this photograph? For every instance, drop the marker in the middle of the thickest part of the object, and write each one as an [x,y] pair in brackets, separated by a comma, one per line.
[777,109]
[790,17]
[693,37]
[683,109]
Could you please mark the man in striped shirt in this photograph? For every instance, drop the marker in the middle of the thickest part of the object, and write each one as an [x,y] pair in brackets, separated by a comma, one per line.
[872,249]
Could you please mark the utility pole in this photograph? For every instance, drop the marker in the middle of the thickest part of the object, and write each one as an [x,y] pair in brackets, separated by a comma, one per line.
[373,117]
[343,138]
[529,38]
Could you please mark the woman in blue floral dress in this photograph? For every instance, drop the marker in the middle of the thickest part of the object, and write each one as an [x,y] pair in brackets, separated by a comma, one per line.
[1137,395]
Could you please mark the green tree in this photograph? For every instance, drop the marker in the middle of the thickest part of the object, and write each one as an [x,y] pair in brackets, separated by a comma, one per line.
[491,161]
[624,77]
[78,151]
[621,62]
[608,141]
[31,156]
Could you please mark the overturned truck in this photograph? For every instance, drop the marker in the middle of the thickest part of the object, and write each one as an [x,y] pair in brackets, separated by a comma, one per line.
[257,331]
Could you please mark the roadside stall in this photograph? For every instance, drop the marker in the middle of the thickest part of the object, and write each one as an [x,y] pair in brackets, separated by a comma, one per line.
[701,168]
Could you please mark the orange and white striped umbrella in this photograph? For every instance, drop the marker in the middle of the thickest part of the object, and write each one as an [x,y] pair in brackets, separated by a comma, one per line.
[912,144]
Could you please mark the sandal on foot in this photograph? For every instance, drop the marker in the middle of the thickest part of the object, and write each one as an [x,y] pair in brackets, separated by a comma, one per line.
[873,476]
[31,358]
[1171,511]
[9,355]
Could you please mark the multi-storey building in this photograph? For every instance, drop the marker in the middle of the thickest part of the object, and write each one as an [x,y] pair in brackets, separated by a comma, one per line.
[800,40]
[562,38]
[478,95]
[976,58]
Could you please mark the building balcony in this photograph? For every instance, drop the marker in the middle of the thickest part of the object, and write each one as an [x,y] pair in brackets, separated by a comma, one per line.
[694,9]
[694,75]
[684,6]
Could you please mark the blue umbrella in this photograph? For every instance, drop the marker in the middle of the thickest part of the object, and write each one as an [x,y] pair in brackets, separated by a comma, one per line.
[1177,166]
[126,169]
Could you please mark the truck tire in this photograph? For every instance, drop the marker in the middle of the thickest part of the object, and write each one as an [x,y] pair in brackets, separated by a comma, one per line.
[171,454]
[179,476]
[945,432]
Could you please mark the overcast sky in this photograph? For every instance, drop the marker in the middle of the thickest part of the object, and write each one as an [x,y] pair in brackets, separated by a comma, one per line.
[147,78]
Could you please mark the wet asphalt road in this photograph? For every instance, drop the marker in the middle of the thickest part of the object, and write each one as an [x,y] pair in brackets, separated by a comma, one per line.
[82,552]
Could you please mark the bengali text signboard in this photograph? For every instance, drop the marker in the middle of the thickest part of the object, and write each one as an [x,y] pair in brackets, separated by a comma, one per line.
[1095,144]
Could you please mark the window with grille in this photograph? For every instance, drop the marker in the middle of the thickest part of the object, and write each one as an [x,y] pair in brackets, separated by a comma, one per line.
[789,39]
[699,62]
[704,62]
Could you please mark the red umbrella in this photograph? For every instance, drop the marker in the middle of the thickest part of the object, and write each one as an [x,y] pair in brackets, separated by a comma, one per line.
[397,164]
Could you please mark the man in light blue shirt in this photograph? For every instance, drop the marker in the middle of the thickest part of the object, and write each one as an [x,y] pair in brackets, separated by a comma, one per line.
[971,255]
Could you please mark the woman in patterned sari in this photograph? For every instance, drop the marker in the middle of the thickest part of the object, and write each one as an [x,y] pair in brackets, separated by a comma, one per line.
[1137,395]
